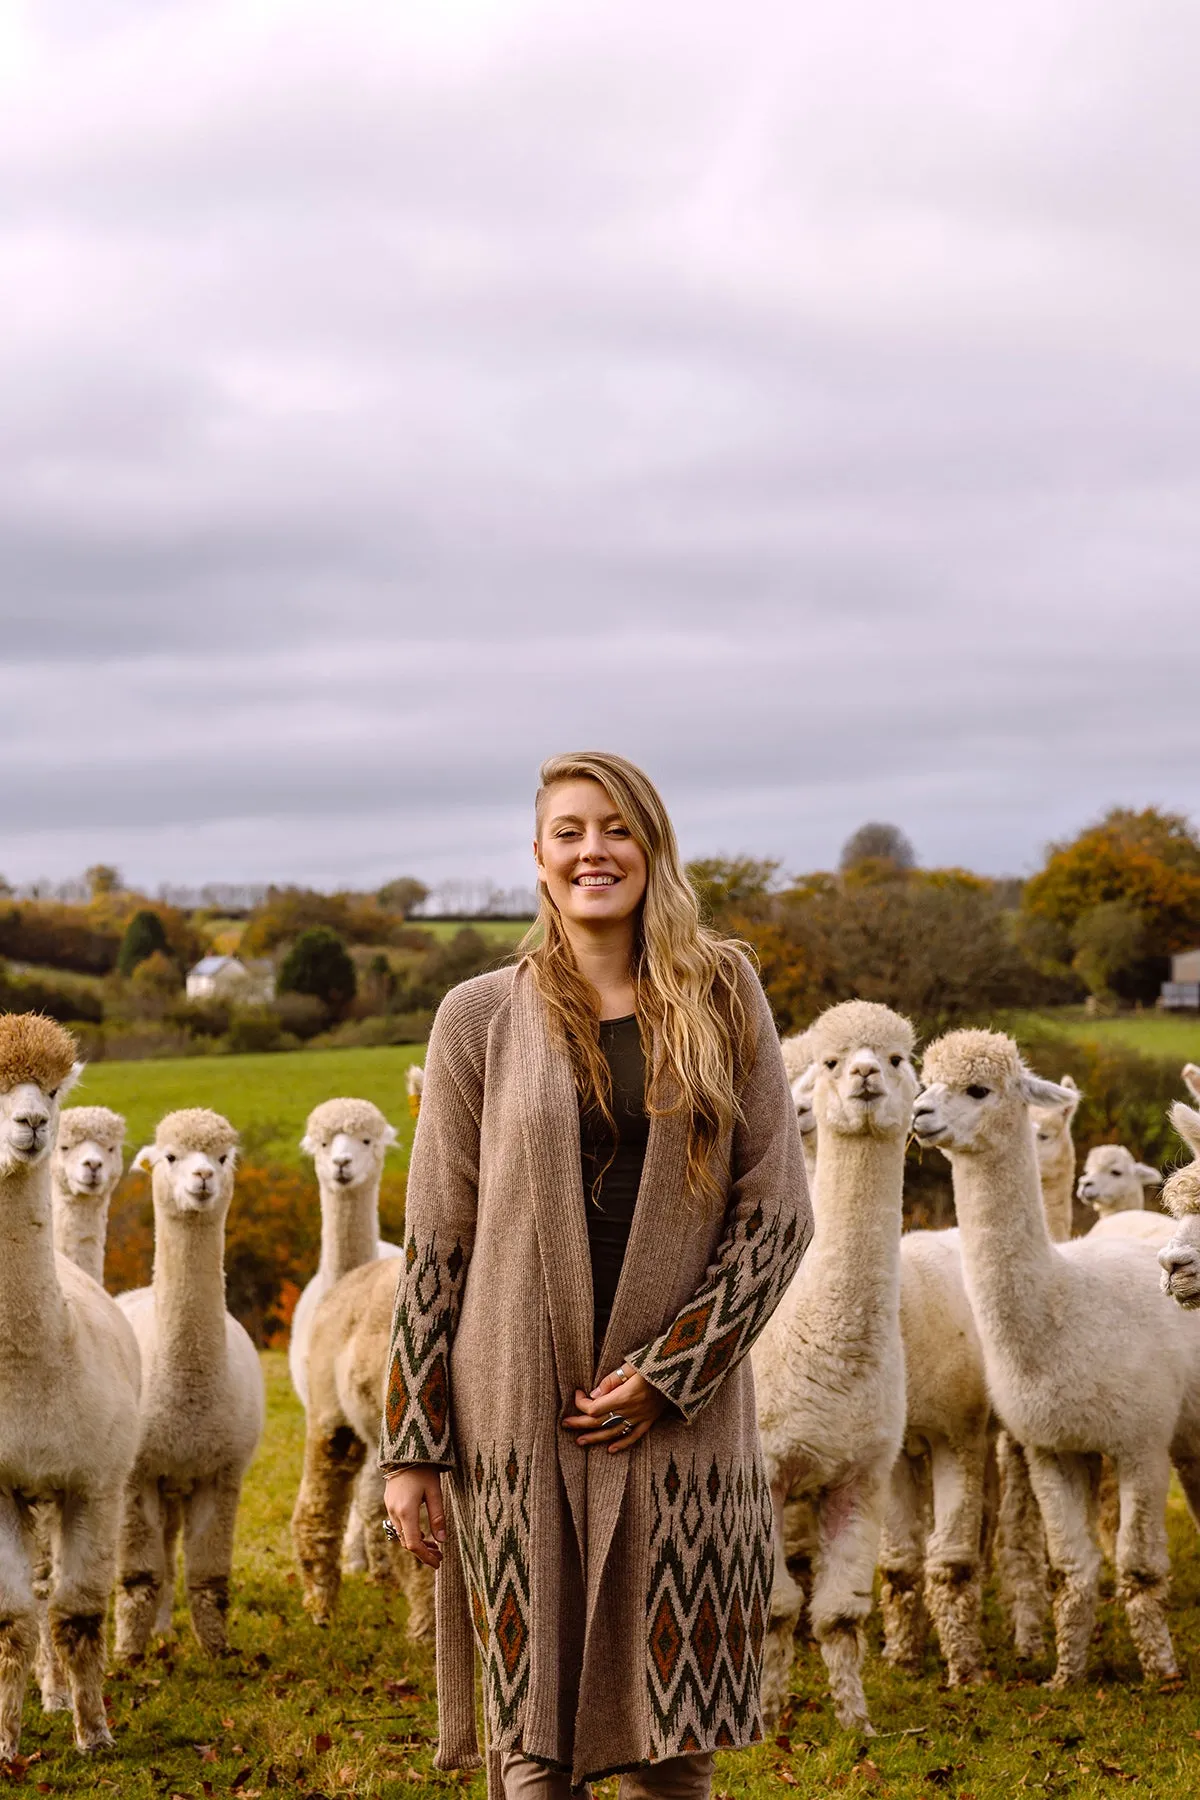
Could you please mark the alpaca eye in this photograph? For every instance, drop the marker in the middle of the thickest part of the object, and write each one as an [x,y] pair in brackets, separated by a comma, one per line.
[978,1093]
[367,1142]
[896,1061]
[52,1094]
[171,1157]
[221,1159]
[831,1062]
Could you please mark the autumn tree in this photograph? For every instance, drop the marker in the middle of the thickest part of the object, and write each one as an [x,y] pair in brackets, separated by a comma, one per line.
[402,895]
[731,886]
[144,935]
[875,842]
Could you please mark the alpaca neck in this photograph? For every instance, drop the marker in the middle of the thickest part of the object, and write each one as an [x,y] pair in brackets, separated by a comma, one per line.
[80,1227]
[189,1292]
[349,1227]
[1058,1197]
[1008,1258]
[33,1312]
[853,1263]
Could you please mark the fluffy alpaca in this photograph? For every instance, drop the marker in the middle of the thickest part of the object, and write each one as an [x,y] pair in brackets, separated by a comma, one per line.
[1191,1079]
[347,1363]
[202,1409]
[347,1140]
[84,1169]
[1081,1356]
[829,1368]
[1114,1181]
[414,1081]
[1180,1258]
[797,1060]
[69,1379]
[1052,1121]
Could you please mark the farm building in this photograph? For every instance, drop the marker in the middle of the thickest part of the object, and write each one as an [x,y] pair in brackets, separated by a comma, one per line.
[229,978]
[1182,992]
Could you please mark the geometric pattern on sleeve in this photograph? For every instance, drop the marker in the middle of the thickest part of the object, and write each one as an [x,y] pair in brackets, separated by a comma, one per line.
[416,1408]
[691,1359]
[707,1605]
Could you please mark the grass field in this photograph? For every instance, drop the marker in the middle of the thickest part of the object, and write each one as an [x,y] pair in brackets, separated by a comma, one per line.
[267,1098]
[504,933]
[1154,1034]
[349,1711]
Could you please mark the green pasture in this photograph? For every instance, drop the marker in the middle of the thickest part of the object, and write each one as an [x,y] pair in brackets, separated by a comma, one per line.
[1153,1034]
[349,1711]
[266,1097]
[506,934]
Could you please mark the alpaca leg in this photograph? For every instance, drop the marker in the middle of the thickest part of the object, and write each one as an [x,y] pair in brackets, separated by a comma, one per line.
[1062,1485]
[1021,1550]
[901,1561]
[55,1689]
[140,1569]
[172,1522]
[332,1460]
[83,1579]
[1144,1564]
[953,1579]
[356,1559]
[1108,1508]
[851,1523]
[787,1601]
[209,1518]
[18,1623]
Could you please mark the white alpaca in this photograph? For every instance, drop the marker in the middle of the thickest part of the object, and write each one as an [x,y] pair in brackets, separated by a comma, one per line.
[829,1368]
[84,1169]
[1191,1079]
[1081,1356]
[202,1409]
[1113,1181]
[348,1357]
[797,1060]
[347,1140]
[68,1400]
[1180,1258]
[1052,1122]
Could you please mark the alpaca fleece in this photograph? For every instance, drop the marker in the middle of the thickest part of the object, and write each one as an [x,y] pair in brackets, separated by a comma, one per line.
[617,1603]
[79,1124]
[196,1128]
[354,1117]
[34,1049]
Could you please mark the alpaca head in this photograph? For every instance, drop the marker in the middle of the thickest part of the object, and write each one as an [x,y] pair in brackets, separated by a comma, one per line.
[861,1079]
[1191,1079]
[37,1071]
[1052,1129]
[347,1140]
[1114,1181]
[802,1099]
[414,1081]
[1180,1259]
[978,1092]
[797,1061]
[191,1164]
[87,1156]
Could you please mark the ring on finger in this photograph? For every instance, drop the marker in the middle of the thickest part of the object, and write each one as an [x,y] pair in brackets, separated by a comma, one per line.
[389,1531]
[627,1429]
[615,1418]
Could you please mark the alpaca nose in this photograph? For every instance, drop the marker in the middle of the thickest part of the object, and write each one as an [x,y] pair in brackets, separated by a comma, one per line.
[342,1163]
[92,1163]
[864,1065]
[32,1120]
[1173,1259]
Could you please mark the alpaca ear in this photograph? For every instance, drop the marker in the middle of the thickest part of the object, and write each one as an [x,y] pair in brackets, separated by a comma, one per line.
[803,1085]
[1191,1079]
[307,1145]
[1186,1121]
[1146,1175]
[389,1136]
[1038,1092]
[146,1158]
[68,1081]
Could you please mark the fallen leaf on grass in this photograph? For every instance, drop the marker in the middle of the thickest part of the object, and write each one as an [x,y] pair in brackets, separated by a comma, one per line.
[400,1690]
[869,1770]
[322,1742]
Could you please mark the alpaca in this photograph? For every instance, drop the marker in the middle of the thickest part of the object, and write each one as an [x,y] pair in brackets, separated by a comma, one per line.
[797,1061]
[69,1377]
[347,1365]
[85,1167]
[1113,1181]
[1081,1356]
[1052,1121]
[829,1367]
[203,1404]
[347,1140]
[414,1081]
[1191,1079]
[1180,1258]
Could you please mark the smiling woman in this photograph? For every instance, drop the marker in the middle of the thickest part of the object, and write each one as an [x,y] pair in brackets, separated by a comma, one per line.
[606,1201]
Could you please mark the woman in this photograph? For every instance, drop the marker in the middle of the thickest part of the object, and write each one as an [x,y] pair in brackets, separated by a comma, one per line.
[606,1201]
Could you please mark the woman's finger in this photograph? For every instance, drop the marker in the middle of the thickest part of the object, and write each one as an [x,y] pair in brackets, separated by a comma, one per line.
[628,1439]
[436,1511]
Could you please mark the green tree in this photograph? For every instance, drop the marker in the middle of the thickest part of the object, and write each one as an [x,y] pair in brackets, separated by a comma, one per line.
[730,886]
[402,895]
[319,964]
[102,878]
[144,935]
[875,842]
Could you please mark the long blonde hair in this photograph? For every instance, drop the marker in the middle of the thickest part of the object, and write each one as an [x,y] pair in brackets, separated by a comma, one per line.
[693,1025]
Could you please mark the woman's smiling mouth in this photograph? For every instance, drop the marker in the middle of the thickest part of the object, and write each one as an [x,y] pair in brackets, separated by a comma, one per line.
[596,881]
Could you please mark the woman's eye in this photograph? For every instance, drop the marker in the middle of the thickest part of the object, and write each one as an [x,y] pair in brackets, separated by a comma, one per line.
[978,1093]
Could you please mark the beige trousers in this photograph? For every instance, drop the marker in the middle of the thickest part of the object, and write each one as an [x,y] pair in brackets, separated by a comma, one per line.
[678,1778]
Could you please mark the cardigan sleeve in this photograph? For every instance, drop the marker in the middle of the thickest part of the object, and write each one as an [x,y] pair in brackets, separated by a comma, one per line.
[439,1232]
[768,1227]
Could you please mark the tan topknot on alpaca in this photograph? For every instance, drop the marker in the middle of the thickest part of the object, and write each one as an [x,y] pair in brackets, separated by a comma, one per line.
[1181,1194]
[355,1117]
[855,1022]
[34,1048]
[970,1057]
[196,1128]
[97,1124]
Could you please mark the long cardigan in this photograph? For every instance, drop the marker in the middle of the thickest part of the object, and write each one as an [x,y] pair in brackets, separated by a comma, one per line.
[617,1603]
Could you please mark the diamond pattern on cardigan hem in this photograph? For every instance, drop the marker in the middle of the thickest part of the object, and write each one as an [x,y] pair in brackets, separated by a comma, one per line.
[710,1585]
[493,1507]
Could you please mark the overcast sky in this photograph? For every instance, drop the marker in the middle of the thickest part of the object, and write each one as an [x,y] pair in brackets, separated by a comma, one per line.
[802,401]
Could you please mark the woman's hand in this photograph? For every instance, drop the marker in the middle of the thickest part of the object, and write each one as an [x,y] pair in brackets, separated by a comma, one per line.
[402,1495]
[626,1393]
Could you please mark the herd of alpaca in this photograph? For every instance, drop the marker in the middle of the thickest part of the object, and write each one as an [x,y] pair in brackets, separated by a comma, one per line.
[929,1401]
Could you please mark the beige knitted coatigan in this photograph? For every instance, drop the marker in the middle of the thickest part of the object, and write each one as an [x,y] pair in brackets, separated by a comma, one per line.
[617,1603]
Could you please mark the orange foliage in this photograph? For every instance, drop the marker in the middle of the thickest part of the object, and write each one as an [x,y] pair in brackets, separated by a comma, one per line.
[1148,860]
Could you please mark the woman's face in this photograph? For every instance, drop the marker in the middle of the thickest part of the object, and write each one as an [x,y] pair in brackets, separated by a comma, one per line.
[587,857]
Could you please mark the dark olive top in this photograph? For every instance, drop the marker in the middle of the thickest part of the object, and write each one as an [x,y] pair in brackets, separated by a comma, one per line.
[609,1203]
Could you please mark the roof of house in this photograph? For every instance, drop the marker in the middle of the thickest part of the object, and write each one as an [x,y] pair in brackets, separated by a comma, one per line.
[211,965]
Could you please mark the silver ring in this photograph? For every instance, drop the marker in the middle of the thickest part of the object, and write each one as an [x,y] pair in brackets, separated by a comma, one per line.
[615,1419]
[627,1430]
[389,1531]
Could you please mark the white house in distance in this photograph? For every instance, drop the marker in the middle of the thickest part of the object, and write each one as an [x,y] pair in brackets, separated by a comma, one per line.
[229,978]
[1182,992]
